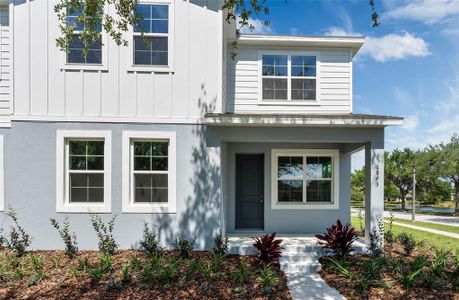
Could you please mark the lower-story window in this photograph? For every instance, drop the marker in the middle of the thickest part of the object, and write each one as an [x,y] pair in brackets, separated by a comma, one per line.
[305,178]
[83,171]
[149,172]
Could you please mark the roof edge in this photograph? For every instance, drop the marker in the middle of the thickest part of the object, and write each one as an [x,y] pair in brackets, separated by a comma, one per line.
[353,42]
[339,120]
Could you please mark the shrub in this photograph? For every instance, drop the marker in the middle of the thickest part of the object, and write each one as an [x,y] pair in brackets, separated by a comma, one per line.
[126,273]
[338,238]
[69,239]
[149,242]
[220,244]
[184,246]
[389,236]
[18,240]
[242,273]
[269,249]
[267,276]
[341,267]
[192,267]
[408,242]
[409,277]
[107,243]
[105,267]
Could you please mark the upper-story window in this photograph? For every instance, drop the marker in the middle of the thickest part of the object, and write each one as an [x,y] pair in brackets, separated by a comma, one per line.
[75,54]
[288,77]
[152,49]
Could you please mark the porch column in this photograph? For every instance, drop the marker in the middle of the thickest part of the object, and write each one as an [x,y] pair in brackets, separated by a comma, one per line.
[374,187]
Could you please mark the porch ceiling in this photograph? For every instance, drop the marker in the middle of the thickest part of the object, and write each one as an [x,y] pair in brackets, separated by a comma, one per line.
[286,120]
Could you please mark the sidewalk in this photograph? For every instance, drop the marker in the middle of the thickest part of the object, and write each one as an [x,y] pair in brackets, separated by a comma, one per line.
[442,220]
[435,231]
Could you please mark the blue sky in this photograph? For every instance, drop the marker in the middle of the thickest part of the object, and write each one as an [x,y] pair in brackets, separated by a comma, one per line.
[409,66]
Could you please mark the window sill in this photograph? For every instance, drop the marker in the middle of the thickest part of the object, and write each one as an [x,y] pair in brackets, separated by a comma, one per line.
[302,205]
[81,67]
[149,209]
[289,103]
[150,69]
[84,208]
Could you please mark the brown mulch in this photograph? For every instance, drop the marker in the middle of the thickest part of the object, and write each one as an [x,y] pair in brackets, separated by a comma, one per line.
[392,288]
[60,281]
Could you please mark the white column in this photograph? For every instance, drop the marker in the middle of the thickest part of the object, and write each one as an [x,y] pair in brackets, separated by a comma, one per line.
[374,187]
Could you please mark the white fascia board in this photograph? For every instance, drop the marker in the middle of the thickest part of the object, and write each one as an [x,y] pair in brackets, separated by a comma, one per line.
[355,43]
[301,121]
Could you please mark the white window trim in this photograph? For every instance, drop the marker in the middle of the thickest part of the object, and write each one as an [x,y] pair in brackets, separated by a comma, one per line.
[170,47]
[275,153]
[62,201]
[2,179]
[128,204]
[289,77]
[103,66]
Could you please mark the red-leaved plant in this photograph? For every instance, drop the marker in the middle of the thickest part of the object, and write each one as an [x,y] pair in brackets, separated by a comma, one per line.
[339,238]
[269,249]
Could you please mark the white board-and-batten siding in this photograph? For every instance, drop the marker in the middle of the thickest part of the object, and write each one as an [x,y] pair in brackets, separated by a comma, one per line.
[44,88]
[5,67]
[334,88]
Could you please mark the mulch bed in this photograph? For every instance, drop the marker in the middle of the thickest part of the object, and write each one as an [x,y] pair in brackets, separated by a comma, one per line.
[61,281]
[392,287]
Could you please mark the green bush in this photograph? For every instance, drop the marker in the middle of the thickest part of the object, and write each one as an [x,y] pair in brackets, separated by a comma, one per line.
[220,246]
[107,243]
[242,273]
[267,276]
[69,239]
[149,243]
[408,242]
[184,246]
[18,240]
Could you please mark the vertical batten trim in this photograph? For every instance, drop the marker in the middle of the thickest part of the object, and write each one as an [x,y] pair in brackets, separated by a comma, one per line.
[29,58]
[82,93]
[47,56]
[100,93]
[153,106]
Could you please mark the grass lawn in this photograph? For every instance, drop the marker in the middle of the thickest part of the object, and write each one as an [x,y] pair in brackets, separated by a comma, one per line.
[453,229]
[431,239]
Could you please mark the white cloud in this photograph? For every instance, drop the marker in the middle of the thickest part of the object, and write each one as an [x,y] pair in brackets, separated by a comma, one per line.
[411,123]
[426,11]
[388,47]
[395,47]
[294,31]
[258,27]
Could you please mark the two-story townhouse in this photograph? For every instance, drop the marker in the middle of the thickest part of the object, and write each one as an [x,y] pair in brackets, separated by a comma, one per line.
[178,133]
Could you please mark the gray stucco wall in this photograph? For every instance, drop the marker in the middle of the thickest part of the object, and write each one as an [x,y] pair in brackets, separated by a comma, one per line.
[30,186]
[301,221]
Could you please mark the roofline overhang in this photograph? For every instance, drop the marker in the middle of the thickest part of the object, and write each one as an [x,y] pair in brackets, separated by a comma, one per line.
[352,42]
[348,120]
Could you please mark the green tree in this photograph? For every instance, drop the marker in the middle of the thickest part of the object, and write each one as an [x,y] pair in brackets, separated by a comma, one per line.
[358,185]
[445,157]
[399,171]
[94,19]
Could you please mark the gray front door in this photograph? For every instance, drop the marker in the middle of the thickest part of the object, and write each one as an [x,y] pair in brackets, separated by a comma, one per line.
[249,191]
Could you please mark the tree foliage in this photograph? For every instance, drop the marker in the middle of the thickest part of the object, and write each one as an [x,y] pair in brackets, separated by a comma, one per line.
[92,19]
[399,171]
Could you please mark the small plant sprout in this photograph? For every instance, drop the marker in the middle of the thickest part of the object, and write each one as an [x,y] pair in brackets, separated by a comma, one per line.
[269,249]
[107,243]
[338,238]
[408,242]
[69,239]
[268,278]
[149,242]
[184,246]
[18,240]
[220,246]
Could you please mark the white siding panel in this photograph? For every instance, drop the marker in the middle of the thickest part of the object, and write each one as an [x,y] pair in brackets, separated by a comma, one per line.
[74,93]
[38,58]
[334,88]
[45,87]
[145,97]
[5,56]
[91,93]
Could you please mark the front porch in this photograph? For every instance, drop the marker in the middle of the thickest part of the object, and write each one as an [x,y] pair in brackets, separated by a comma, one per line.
[295,179]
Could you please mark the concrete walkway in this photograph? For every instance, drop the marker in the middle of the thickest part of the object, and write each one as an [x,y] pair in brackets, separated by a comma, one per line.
[442,220]
[440,232]
[300,262]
